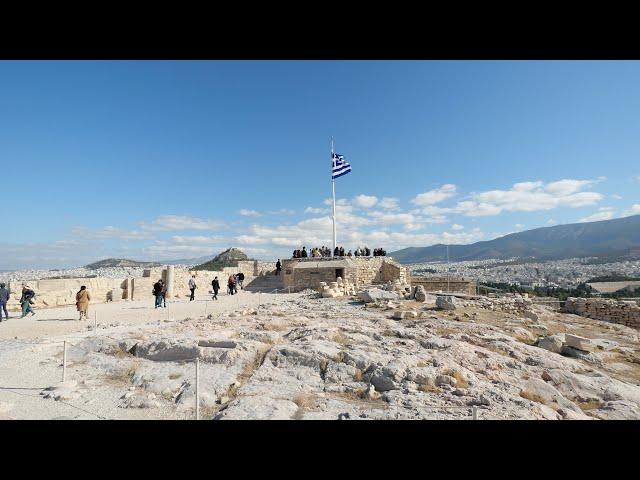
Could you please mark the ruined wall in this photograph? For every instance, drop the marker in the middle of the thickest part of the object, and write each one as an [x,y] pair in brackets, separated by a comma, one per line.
[61,292]
[624,312]
[431,284]
[366,271]
[143,287]
[309,278]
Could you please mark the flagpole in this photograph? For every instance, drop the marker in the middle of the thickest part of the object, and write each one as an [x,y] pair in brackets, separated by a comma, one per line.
[333,187]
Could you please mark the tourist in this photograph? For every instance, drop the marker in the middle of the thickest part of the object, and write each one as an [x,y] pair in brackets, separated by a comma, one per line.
[341,252]
[304,252]
[278,267]
[357,252]
[26,300]
[215,284]
[82,302]
[4,298]
[349,254]
[157,292]
[192,287]
[336,252]
[240,279]
[232,284]
[367,252]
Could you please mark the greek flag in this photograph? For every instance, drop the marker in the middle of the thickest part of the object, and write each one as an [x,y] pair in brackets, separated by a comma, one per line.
[340,167]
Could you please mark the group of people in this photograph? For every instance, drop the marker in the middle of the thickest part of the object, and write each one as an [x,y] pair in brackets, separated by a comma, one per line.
[235,280]
[83,297]
[337,252]
[27,300]
[160,292]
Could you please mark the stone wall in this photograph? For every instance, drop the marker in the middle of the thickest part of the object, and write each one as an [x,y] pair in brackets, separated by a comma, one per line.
[362,271]
[61,292]
[624,312]
[432,284]
[143,286]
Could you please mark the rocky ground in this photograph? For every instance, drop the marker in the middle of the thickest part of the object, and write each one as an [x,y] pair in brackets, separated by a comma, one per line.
[299,356]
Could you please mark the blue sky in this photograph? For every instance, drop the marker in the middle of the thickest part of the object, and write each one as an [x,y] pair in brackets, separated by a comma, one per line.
[165,160]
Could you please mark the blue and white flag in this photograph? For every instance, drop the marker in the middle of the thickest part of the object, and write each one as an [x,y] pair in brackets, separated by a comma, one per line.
[340,167]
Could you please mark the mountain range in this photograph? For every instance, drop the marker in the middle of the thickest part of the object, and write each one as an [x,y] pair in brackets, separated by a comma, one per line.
[611,239]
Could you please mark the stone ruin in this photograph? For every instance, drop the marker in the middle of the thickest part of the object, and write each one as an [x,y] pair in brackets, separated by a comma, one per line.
[338,288]
[624,312]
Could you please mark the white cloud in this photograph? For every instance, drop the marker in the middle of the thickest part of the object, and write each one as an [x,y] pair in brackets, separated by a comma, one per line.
[519,226]
[616,197]
[248,213]
[364,201]
[604,213]
[435,196]
[529,197]
[317,211]
[180,222]
[110,232]
[282,211]
[249,240]
[567,186]
[635,209]
[393,218]
[388,203]
[455,226]
[197,239]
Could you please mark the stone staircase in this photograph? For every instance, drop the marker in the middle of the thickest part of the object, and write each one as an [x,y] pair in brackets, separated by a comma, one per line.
[265,283]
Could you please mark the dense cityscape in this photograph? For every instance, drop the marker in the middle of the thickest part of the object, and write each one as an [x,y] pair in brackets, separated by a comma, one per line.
[568,273]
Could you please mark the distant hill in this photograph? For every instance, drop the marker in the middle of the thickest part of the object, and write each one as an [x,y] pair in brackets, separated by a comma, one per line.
[611,239]
[119,262]
[228,258]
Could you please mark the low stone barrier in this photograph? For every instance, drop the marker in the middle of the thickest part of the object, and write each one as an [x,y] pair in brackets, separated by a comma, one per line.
[624,312]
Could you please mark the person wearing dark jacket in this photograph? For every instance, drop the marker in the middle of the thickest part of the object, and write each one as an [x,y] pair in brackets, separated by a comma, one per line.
[4,298]
[278,267]
[157,292]
[336,252]
[304,252]
[240,280]
[26,300]
[232,284]
[215,284]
